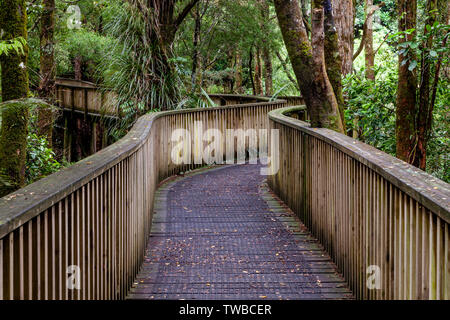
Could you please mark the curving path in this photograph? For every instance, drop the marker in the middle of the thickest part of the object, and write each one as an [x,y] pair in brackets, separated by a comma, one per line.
[220,234]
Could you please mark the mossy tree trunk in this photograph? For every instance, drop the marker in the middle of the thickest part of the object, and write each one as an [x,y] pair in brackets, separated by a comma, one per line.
[407,84]
[344,21]
[258,72]
[47,88]
[368,44]
[333,59]
[13,23]
[13,145]
[267,71]
[195,45]
[238,72]
[162,26]
[14,128]
[309,64]
[266,54]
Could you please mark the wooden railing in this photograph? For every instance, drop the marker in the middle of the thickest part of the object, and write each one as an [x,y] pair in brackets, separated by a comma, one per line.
[374,214]
[96,215]
[384,222]
[86,97]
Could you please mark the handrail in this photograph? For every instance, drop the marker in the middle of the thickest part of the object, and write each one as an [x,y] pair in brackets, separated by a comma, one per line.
[365,207]
[432,192]
[96,214]
[19,207]
[384,222]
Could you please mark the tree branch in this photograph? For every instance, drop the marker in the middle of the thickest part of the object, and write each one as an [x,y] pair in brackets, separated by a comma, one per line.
[184,13]
[370,13]
[288,74]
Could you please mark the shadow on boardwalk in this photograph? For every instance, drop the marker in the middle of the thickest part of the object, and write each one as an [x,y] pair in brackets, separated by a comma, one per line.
[221,234]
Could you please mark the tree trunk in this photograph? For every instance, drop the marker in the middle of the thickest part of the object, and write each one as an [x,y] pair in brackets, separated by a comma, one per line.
[77,68]
[266,56]
[369,13]
[47,88]
[238,73]
[407,83]
[426,102]
[161,27]
[250,70]
[344,20]
[13,23]
[305,4]
[368,45]
[268,71]
[258,73]
[309,64]
[195,55]
[14,76]
[333,59]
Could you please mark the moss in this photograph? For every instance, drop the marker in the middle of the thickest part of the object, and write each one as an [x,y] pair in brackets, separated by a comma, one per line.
[13,143]
[334,66]
[15,116]
[13,23]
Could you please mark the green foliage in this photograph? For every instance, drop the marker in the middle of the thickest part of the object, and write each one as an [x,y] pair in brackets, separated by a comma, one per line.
[373,104]
[414,49]
[89,46]
[371,109]
[438,152]
[135,66]
[41,160]
[16,45]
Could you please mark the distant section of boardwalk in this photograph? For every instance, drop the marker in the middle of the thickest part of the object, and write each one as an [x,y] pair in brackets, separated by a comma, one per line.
[221,234]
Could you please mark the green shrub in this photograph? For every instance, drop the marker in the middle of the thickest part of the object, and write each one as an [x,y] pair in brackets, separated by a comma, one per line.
[41,160]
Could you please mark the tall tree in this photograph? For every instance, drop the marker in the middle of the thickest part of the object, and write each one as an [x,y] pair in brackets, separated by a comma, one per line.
[333,60]
[368,16]
[196,39]
[47,88]
[428,82]
[309,64]
[145,31]
[238,72]
[258,72]
[14,128]
[266,54]
[344,21]
[368,41]
[407,82]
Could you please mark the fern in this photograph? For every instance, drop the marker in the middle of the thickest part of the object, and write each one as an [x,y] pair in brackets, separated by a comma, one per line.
[16,44]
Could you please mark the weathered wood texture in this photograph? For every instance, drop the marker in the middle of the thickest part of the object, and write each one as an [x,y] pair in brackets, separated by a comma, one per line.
[97,213]
[367,209]
[85,96]
[220,233]
[232,99]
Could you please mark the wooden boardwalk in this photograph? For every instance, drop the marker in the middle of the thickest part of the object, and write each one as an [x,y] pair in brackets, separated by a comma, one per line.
[221,234]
